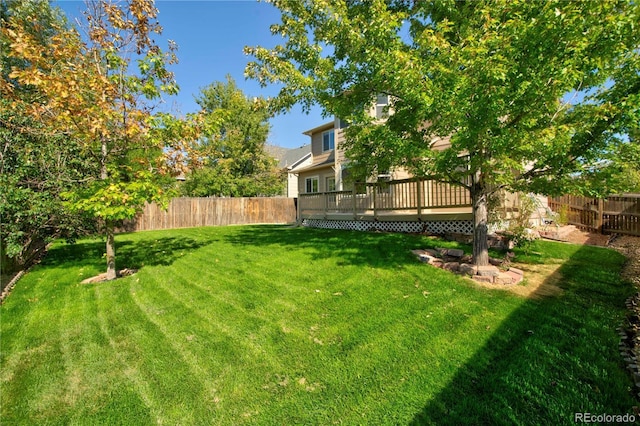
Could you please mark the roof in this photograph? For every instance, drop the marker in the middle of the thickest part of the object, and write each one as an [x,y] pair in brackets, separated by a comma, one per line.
[327,162]
[325,126]
[289,157]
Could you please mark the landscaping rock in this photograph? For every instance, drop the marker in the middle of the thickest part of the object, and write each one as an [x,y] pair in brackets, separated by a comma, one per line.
[503,278]
[516,271]
[460,238]
[454,260]
[517,278]
[495,262]
[468,269]
[499,241]
[455,253]
[488,271]
[451,266]
[482,279]
[436,262]
[466,259]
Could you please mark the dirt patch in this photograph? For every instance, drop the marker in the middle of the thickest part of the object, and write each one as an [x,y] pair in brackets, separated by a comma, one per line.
[588,238]
[103,277]
[540,281]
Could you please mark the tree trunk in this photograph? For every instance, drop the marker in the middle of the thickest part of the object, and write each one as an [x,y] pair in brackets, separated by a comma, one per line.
[111,251]
[108,225]
[480,222]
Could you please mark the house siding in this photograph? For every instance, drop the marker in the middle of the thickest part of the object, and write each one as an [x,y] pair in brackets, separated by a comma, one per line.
[293,178]
[321,174]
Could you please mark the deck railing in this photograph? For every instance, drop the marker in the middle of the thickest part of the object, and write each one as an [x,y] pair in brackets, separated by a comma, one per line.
[408,196]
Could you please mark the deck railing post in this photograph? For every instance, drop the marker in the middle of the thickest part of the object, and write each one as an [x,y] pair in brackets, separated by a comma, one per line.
[325,202]
[353,200]
[374,189]
[419,197]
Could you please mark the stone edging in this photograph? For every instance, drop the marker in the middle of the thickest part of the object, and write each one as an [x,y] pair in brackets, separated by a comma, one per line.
[9,287]
[455,261]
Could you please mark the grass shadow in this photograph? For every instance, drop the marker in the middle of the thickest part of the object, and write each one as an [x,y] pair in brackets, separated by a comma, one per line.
[129,253]
[549,347]
[376,249]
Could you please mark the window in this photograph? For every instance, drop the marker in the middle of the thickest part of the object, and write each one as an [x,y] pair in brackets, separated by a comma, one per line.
[383,183]
[311,184]
[342,124]
[382,104]
[331,184]
[328,140]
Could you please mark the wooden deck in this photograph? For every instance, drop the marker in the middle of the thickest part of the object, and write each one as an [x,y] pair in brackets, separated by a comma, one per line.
[402,200]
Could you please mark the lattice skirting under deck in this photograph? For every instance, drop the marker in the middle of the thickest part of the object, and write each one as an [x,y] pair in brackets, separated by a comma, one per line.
[431,227]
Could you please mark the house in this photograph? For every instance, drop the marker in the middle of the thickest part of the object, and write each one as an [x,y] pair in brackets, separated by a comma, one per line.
[290,160]
[392,200]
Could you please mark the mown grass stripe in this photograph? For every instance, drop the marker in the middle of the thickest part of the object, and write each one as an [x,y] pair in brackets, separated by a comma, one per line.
[297,326]
[148,360]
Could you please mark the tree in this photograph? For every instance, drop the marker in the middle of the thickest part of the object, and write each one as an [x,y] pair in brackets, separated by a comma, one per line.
[533,95]
[33,172]
[233,160]
[87,91]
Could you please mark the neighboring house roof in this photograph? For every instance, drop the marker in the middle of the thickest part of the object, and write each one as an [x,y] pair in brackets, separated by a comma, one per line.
[297,155]
[289,157]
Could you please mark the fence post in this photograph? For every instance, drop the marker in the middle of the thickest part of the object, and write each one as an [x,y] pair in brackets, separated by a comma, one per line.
[600,217]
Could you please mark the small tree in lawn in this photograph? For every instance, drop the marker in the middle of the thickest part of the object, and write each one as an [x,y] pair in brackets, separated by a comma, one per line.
[86,89]
[533,95]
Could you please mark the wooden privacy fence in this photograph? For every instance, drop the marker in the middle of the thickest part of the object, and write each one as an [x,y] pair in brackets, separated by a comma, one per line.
[409,196]
[616,214]
[192,212]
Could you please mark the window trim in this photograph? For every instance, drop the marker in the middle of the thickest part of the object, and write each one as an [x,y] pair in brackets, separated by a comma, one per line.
[381,114]
[326,183]
[332,141]
[311,179]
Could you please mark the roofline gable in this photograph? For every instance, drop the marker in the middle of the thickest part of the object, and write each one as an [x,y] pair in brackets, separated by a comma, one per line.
[325,126]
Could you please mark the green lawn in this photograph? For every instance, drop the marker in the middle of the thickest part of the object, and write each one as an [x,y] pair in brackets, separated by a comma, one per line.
[280,325]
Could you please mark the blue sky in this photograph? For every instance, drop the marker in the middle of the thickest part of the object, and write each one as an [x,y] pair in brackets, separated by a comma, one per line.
[211,36]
